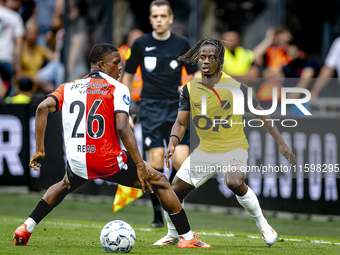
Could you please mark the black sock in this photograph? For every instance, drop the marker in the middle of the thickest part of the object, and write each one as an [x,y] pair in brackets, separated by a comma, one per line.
[180,222]
[40,211]
[157,208]
[173,174]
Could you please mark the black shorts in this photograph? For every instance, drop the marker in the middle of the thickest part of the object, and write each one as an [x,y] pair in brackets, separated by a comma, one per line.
[124,177]
[157,118]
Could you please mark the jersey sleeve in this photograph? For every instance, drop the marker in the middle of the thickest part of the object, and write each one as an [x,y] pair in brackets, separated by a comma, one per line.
[244,90]
[184,101]
[58,96]
[19,29]
[333,54]
[191,69]
[133,58]
[121,99]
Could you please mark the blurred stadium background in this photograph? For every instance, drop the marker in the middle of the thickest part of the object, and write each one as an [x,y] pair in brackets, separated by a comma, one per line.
[314,25]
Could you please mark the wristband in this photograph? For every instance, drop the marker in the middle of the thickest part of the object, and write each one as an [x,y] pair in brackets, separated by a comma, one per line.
[139,162]
[176,137]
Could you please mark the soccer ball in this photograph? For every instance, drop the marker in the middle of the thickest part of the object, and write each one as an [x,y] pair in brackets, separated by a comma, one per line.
[117,236]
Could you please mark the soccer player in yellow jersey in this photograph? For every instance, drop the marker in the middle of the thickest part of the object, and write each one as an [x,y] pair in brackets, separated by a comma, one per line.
[224,144]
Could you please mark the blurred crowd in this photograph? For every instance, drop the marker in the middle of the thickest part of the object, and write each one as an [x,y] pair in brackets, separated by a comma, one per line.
[32,38]
[280,61]
[277,61]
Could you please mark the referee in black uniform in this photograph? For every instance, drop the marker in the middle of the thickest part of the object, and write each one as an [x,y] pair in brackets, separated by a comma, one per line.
[157,53]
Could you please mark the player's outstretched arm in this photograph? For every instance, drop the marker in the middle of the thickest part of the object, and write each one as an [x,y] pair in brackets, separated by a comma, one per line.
[129,141]
[44,108]
[177,133]
[271,128]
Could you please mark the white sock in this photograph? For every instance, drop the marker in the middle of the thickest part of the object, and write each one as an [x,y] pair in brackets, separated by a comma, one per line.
[30,223]
[188,236]
[251,204]
[171,228]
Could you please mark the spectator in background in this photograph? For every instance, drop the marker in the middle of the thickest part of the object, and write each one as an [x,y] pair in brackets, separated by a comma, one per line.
[11,37]
[271,54]
[52,34]
[59,7]
[238,62]
[23,7]
[76,59]
[26,9]
[15,5]
[53,73]
[332,63]
[24,96]
[42,14]
[299,73]
[300,67]
[33,55]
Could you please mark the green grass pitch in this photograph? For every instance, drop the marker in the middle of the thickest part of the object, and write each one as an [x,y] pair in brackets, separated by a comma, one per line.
[74,228]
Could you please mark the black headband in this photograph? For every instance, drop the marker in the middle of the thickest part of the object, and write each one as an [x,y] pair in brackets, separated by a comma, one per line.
[211,42]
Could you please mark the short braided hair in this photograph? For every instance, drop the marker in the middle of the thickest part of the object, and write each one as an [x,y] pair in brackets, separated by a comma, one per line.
[191,57]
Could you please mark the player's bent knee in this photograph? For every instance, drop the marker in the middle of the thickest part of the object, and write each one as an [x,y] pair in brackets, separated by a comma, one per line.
[235,184]
[159,180]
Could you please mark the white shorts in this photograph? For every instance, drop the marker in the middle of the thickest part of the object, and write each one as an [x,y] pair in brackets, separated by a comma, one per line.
[201,166]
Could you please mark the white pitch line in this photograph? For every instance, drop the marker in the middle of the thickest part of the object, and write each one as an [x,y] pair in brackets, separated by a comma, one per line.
[149,230]
[256,237]
[45,222]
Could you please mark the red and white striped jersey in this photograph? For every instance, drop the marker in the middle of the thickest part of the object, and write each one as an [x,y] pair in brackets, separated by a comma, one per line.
[88,109]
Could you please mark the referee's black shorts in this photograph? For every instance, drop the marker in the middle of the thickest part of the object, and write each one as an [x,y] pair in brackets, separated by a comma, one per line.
[157,117]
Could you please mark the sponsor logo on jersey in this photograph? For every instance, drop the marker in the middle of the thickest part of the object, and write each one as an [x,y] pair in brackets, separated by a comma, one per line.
[150,48]
[209,93]
[126,99]
[150,63]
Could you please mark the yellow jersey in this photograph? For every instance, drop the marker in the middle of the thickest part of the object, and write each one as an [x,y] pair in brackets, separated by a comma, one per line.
[218,129]
[239,62]
[31,64]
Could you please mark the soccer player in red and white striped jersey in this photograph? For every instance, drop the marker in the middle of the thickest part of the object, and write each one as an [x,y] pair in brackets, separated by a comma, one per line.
[89,139]
[95,113]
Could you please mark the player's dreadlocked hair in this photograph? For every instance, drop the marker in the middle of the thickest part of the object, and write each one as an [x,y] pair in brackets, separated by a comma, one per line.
[191,57]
